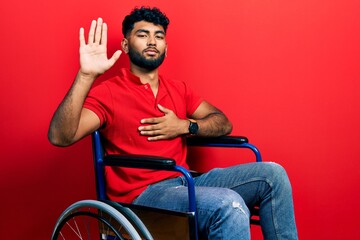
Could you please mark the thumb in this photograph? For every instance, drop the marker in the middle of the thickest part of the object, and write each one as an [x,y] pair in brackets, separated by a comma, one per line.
[163,109]
[115,57]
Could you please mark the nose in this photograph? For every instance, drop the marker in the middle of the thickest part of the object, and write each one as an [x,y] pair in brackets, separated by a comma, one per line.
[151,41]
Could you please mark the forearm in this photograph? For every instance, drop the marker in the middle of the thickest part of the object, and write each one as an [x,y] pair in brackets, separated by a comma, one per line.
[65,122]
[214,124]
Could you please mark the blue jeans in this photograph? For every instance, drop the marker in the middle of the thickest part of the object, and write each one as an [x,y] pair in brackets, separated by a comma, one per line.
[224,197]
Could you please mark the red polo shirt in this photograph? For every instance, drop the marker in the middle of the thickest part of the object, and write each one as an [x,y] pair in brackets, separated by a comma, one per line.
[120,103]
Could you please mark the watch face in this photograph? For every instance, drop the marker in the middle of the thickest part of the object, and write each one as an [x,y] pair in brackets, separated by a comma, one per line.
[193,128]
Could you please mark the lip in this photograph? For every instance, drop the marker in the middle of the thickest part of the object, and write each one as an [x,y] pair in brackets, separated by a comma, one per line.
[151,50]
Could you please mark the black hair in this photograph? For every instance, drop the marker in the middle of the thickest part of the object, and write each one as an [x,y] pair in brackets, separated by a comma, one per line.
[152,15]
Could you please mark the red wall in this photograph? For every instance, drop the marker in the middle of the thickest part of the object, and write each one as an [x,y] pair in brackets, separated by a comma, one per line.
[285,72]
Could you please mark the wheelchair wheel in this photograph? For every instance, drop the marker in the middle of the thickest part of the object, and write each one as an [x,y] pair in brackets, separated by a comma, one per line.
[90,219]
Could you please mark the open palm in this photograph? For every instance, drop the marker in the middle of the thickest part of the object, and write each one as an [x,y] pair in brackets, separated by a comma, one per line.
[93,55]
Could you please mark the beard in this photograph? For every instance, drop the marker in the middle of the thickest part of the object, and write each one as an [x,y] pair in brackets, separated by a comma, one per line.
[140,61]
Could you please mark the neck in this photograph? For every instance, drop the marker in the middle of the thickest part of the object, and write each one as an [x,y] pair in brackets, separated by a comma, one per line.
[147,76]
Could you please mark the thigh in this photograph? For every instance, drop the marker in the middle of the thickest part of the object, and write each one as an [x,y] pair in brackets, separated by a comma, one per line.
[220,211]
[251,181]
[173,195]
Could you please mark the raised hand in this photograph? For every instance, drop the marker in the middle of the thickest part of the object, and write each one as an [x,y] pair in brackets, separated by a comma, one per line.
[93,54]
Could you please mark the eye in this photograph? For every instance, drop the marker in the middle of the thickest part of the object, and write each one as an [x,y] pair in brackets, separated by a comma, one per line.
[160,37]
[141,35]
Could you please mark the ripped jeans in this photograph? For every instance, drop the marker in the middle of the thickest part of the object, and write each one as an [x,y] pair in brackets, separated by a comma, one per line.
[224,197]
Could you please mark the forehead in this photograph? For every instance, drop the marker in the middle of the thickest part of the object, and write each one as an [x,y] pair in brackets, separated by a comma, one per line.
[148,26]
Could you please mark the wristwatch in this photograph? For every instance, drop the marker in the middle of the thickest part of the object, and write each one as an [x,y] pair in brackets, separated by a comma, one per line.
[193,127]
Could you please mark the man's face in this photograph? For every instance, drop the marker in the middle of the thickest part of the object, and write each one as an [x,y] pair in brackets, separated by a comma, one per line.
[147,45]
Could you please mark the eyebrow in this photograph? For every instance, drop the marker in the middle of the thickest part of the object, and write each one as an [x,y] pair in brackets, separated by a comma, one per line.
[147,31]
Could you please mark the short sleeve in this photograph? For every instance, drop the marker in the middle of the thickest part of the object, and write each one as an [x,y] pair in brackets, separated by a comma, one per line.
[99,100]
[193,100]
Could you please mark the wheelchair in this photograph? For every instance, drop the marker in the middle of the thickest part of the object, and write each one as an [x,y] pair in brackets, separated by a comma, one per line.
[107,220]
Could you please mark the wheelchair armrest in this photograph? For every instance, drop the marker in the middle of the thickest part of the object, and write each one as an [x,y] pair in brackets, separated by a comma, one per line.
[218,141]
[140,161]
[224,141]
[156,163]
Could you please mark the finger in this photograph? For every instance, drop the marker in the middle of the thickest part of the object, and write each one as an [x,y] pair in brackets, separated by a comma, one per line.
[163,109]
[103,40]
[151,120]
[150,133]
[98,30]
[92,32]
[156,138]
[149,128]
[115,57]
[81,37]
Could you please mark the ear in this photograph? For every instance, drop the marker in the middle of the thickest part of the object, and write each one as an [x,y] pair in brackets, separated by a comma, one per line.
[125,45]
[166,51]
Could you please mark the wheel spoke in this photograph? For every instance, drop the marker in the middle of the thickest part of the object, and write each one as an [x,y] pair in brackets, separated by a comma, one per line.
[90,219]
[73,229]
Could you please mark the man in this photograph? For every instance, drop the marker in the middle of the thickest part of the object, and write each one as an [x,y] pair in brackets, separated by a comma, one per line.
[143,112]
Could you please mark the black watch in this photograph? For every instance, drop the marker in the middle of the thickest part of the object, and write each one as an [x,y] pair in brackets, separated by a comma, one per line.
[193,127]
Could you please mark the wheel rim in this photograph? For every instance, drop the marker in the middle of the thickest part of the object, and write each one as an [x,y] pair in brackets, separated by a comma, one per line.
[89,224]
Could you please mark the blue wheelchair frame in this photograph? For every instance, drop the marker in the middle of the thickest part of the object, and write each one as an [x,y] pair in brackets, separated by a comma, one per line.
[160,163]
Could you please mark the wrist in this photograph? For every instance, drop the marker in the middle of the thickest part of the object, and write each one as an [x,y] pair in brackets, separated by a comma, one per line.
[85,79]
[193,127]
[87,76]
[83,82]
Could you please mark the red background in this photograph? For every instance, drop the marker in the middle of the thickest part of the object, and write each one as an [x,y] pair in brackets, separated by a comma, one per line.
[285,72]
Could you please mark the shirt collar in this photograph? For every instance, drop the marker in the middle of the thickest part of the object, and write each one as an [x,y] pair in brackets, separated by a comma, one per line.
[127,74]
